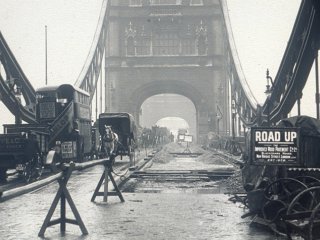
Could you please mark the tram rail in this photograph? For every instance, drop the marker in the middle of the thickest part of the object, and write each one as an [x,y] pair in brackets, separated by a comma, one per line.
[181,175]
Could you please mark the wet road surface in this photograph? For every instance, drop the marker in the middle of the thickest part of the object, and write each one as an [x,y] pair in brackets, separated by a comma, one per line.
[183,210]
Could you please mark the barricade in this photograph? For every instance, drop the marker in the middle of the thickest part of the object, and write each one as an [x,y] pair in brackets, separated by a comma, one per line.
[64,196]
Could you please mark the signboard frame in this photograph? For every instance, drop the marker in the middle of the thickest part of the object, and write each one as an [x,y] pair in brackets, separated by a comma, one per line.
[273,146]
[188,138]
[69,149]
[181,137]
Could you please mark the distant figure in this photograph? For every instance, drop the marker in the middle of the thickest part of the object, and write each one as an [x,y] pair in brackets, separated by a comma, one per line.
[171,137]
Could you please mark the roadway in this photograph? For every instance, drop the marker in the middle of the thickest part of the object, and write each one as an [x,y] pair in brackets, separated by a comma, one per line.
[157,206]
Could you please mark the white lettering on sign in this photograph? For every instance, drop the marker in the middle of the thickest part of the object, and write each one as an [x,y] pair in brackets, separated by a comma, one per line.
[290,136]
[275,136]
[276,146]
[265,136]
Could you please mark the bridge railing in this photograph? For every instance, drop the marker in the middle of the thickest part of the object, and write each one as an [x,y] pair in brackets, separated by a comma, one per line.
[243,100]
[89,75]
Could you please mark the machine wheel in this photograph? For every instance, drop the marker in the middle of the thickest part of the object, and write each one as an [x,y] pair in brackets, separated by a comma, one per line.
[314,232]
[273,210]
[309,180]
[307,201]
[284,189]
[33,169]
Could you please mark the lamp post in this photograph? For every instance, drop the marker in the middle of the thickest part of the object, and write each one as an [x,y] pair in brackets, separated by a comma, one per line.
[268,93]
[46,55]
[233,111]
[219,117]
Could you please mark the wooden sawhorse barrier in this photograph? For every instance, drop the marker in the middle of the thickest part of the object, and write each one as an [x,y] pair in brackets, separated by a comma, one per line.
[104,178]
[64,196]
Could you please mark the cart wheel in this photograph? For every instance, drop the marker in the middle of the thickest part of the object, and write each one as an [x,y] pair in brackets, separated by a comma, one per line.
[33,169]
[284,189]
[314,231]
[309,180]
[273,210]
[27,171]
[306,201]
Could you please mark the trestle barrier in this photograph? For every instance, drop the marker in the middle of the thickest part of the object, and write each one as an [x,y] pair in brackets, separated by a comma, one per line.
[64,196]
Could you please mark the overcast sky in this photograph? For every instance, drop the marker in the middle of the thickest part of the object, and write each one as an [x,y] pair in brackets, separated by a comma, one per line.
[261,29]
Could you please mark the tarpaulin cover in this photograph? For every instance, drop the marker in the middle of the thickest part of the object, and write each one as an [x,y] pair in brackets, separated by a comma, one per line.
[121,123]
[309,126]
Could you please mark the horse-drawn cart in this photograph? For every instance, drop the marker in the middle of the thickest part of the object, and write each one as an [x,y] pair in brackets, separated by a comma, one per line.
[123,125]
[23,148]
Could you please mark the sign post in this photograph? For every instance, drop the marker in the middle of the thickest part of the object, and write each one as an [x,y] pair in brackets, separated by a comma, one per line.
[187,139]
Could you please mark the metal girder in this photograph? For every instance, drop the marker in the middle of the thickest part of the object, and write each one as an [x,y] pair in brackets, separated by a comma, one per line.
[15,84]
[91,70]
[293,72]
[296,62]
[14,105]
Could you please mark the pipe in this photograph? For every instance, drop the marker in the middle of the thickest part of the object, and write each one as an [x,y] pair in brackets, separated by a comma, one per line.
[6,195]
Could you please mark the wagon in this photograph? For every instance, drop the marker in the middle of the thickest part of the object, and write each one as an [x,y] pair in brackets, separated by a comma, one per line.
[124,126]
[24,149]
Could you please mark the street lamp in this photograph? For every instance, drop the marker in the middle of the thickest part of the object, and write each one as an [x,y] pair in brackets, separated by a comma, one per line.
[268,87]
[268,93]
[233,111]
[219,117]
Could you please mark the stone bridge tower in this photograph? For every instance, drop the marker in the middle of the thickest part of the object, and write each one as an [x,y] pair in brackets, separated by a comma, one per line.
[168,46]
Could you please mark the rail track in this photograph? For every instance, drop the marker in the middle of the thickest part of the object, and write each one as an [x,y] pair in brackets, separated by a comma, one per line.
[181,175]
[227,157]
[186,172]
